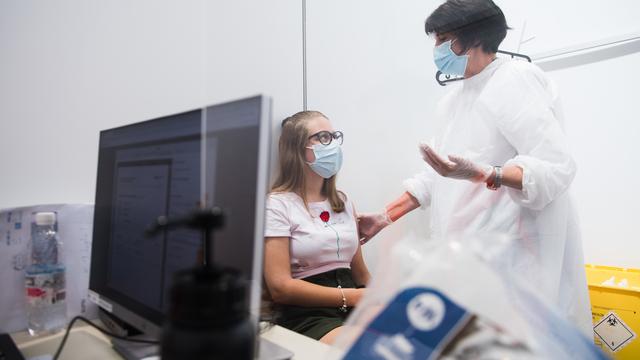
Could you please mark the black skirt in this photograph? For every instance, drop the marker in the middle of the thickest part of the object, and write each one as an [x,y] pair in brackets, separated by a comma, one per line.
[315,322]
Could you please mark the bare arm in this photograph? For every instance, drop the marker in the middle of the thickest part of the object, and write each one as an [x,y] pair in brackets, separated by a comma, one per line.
[401,206]
[286,290]
[359,269]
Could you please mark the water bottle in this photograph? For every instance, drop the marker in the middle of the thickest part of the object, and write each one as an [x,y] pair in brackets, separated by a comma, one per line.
[208,315]
[45,278]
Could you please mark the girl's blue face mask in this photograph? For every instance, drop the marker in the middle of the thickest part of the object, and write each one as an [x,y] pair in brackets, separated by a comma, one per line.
[328,159]
[447,61]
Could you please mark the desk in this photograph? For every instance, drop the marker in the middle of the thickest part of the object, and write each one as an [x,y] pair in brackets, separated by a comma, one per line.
[85,342]
[301,346]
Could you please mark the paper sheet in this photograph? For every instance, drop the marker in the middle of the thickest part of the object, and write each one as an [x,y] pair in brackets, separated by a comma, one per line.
[75,226]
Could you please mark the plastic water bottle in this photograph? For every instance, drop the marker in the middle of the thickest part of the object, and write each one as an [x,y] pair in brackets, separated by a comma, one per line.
[45,278]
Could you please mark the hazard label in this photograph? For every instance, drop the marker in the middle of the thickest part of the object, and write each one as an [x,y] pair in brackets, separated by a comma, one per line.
[614,332]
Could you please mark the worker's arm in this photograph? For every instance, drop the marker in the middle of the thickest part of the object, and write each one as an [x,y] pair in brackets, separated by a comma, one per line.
[370,224]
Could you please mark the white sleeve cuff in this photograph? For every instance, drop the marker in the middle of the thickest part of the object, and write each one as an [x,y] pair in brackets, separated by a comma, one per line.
[277,233]
[542,182]
[418,189]
[528,193]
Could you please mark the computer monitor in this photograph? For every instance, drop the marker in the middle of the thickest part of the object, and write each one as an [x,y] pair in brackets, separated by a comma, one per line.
[214,156]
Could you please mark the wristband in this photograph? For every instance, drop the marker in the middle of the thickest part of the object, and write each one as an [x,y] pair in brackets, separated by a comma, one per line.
[343,307]
[497,180]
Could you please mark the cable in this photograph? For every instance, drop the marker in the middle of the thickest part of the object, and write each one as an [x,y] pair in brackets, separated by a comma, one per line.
[106,332]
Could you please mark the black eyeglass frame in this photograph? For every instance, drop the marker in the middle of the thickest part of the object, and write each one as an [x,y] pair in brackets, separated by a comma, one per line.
[336,135]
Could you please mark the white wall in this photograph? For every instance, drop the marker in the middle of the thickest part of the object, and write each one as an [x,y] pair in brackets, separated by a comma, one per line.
[370,71]
[546,25]
[255,47]
[72,68]
[600,105]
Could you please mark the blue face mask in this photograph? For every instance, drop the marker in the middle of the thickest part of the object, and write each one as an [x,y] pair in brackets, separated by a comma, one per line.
[447,61]
[328,159]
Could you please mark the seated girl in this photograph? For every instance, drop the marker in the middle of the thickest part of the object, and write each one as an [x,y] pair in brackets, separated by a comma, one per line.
[313,266]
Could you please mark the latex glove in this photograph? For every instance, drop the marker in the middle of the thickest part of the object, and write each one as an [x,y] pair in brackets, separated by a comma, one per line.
[371,224]
[455,167]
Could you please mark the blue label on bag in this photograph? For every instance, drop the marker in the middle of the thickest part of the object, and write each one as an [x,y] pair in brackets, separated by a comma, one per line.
[417,324]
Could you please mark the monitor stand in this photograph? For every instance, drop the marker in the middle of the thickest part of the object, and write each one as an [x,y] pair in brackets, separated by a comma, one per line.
[115,325]
[133,350]
[127,349]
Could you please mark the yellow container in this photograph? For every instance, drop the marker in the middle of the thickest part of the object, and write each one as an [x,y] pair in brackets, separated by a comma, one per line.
[615,310]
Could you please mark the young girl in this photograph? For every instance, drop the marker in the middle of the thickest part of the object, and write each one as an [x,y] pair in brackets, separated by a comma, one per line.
[313,267]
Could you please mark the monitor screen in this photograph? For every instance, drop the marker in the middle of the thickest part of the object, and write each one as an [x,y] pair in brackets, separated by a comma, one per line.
[214,156]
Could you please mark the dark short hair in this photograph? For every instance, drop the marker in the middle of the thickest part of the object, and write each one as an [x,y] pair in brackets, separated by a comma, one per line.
[473,22]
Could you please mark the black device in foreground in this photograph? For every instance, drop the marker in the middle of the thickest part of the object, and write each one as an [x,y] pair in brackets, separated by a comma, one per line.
[209,308]
[8,349]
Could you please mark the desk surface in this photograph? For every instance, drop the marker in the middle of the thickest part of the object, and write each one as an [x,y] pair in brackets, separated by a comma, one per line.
[85,342]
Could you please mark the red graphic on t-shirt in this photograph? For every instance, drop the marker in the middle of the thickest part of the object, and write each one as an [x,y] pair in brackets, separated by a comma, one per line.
[324,216]
[35,292]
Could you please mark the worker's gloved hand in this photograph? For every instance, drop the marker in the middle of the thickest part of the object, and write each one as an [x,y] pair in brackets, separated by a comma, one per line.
[455,167]
[371,224]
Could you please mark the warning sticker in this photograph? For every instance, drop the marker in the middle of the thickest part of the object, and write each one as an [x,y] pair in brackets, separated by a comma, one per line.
[614,332]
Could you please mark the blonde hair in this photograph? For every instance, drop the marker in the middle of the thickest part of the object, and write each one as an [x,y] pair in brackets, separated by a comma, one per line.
[292,162]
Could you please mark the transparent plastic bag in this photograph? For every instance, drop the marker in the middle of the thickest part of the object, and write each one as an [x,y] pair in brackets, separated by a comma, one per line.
[448,301]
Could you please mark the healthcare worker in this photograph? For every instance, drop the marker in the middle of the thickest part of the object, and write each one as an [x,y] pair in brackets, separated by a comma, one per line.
[499,171]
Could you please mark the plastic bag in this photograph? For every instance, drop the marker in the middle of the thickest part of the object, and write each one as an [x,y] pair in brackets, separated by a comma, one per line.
[447,301]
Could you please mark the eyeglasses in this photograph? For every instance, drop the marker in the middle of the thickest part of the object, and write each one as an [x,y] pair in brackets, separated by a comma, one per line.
[325,137]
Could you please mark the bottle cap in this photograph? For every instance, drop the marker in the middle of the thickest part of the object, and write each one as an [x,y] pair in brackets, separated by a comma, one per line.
[45,218]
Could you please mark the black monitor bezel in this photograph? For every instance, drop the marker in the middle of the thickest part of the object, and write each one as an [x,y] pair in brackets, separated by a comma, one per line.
[140,316]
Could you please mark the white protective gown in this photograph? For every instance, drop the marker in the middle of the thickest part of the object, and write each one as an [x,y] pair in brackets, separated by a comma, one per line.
[509,114]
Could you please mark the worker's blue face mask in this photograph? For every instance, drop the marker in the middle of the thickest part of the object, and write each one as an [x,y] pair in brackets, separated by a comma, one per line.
[447,61]
[328,159]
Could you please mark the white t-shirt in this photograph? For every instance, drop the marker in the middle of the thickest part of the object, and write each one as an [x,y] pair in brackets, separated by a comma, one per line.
[315,246]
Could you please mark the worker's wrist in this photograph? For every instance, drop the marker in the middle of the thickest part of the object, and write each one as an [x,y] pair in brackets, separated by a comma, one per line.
[494,181]
[491,177]
[386,217]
